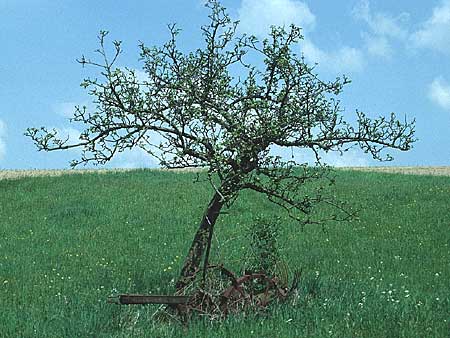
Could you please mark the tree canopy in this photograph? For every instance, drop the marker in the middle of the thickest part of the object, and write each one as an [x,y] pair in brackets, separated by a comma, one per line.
[223,107]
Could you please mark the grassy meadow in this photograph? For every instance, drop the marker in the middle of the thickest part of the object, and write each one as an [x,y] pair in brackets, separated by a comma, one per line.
[69,242]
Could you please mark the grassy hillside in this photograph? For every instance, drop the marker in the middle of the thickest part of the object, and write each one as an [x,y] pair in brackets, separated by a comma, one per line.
[67,243]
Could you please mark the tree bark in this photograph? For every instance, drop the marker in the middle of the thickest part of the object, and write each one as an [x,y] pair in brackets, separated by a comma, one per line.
[199,244]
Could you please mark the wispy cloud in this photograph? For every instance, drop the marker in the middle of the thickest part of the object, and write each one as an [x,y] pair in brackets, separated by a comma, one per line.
[72,134]
[378,45]
[381,24]
[135,158]
[65,109]
[383,29]
[141,76]
[351,158]
[138,157]
[127,159]
[439,93]
[2,139]
[345,59]
[256,17]
[435,31]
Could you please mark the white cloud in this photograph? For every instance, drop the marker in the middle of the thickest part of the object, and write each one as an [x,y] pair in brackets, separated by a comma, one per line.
[72,134]
[435,32]
[345,59]
[383,28]
[138,157]
[128,159]
[141,76]
[65,109]
[2,137]
[256,16]
[378,45]
[439,93]
[381,24]
[134,158]
[351,158]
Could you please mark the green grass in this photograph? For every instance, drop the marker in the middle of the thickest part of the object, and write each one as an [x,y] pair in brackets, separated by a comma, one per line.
[67,243]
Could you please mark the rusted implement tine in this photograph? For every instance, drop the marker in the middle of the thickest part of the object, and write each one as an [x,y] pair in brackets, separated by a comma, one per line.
[148,299]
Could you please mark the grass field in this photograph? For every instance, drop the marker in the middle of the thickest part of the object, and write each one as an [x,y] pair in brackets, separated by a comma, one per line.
[69,242]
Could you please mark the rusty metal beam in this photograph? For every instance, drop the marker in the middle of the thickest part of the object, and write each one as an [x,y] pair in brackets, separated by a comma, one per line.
[148,299]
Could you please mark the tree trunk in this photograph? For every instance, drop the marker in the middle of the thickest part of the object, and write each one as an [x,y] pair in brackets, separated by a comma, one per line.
[200,243]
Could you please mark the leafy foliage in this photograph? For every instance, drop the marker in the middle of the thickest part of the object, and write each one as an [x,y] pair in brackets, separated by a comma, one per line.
[214,107]
[192,112]
[264,252]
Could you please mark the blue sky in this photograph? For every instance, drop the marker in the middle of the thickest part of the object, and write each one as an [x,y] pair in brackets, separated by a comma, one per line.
[395,52]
